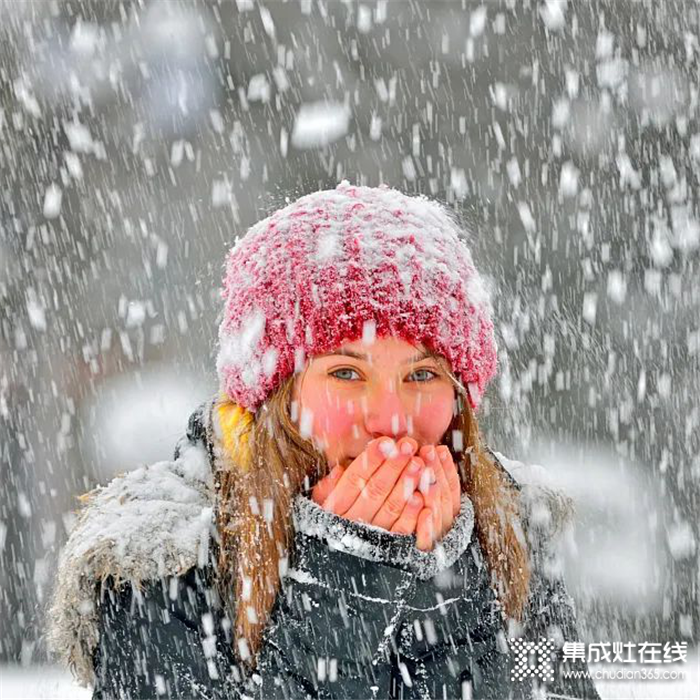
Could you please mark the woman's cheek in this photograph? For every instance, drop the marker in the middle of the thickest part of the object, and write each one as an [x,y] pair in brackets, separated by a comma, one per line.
[335,422]
[433,417]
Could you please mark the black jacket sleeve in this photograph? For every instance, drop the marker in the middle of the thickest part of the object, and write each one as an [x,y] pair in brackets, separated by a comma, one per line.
[161,642]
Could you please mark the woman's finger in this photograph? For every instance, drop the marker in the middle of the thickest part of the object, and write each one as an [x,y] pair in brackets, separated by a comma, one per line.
[425,534]
[406,524]
[392,508]
[355,478]
[432,498]
[445,496]
[430,454]
[450,468]
[324,486]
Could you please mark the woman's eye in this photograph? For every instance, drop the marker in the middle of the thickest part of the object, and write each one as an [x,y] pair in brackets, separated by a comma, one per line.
[429,372]
[343,369]
[345,374]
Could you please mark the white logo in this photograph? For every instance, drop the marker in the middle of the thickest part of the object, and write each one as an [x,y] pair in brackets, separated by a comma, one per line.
[532,659]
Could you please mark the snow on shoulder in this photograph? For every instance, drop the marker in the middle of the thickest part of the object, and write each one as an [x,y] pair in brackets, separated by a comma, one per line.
[548,509]
[152,522]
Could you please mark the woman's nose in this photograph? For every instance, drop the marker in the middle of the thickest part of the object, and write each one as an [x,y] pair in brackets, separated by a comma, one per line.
[387,413]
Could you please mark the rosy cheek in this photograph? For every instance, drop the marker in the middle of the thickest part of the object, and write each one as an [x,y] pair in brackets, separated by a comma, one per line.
[432,417]
[336,421]
[333,419]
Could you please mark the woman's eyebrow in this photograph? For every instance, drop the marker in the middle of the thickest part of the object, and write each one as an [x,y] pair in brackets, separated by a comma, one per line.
[365,358]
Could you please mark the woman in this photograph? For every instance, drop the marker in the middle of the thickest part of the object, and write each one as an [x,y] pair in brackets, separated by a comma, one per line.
[333,524]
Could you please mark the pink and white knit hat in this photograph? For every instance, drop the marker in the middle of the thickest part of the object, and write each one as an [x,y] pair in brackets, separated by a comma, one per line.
[344,264]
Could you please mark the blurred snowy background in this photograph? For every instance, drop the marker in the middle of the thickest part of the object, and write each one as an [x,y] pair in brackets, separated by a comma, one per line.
[138,139]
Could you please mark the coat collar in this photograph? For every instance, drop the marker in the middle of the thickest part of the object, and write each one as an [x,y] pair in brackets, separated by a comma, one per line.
[158,520]
[380,545]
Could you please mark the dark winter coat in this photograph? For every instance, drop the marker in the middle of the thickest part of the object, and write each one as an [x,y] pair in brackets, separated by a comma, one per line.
[362,613]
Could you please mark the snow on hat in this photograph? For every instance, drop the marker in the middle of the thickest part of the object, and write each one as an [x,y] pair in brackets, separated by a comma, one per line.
[348,263]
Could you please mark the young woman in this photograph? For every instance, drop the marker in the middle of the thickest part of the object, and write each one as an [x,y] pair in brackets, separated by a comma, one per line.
[333,525]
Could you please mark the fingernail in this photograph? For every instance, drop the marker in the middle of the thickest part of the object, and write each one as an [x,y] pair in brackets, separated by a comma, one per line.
[409,486]
[407,448]
[444,453]
[430,454]
[414,500]
[388,448]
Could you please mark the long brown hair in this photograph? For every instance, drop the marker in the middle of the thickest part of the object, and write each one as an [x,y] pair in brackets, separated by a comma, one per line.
[255,488]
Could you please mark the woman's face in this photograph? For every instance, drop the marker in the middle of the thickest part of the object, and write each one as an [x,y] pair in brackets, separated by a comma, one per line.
[348,397]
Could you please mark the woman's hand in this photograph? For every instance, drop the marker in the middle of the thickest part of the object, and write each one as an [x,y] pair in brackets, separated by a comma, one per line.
[379,487]
[376,487]
[442,498]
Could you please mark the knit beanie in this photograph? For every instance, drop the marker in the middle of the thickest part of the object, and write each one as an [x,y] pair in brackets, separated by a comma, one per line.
[346,264]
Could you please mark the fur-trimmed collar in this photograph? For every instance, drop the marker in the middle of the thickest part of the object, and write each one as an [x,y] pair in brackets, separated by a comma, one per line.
[158,520]
[154,521]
